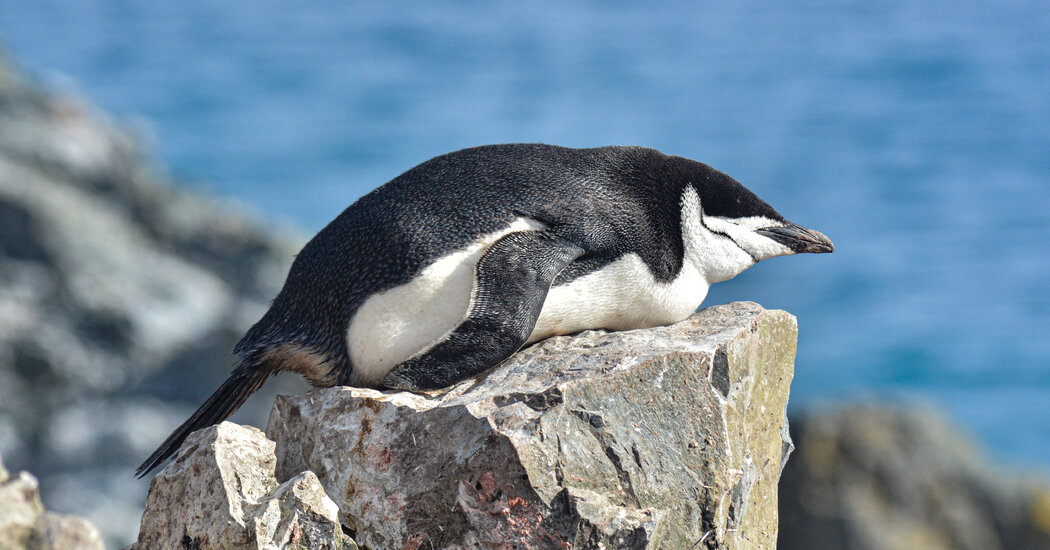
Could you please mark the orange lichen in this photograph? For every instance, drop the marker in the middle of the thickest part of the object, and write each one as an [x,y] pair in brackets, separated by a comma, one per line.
[502,518]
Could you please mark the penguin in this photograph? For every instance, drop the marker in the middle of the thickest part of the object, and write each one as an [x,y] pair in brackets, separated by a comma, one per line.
[450,268]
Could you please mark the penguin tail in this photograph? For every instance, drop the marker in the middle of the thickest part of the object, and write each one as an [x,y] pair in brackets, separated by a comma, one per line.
[247,378]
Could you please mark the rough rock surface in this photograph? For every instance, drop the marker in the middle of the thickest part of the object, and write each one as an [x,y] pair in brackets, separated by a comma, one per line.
[882,478]
[669,437]
[121,298]
[25,525]
[221,492]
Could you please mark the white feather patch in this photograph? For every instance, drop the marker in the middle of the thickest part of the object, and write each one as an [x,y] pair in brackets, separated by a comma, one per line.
[395,324]
[624,294]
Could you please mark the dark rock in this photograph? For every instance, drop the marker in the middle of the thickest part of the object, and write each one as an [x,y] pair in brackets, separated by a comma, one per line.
[877,478]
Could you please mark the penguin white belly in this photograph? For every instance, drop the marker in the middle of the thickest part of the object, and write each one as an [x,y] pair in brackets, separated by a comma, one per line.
[394,324]
[624,294]
[621,296]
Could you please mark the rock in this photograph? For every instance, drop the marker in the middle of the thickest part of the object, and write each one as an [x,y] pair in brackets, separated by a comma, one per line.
[121,298]
[221,493]
[662,438]
[24,524]
[884,478]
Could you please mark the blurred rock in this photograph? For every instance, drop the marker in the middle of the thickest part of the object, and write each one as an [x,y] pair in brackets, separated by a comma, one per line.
[221,493]
[662,438]
[881,478]
[121,298]
[25,525]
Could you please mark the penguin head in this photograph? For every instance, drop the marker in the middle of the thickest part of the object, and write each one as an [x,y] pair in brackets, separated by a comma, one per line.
[737,229]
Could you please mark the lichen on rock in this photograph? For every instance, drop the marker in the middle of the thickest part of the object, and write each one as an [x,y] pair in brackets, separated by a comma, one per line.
[667,437]
[220,492]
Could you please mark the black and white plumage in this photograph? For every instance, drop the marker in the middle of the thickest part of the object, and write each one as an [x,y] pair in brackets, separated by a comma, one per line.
[451,267]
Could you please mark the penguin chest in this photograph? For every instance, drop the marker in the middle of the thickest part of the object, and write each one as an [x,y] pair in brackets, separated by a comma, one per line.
[623,295]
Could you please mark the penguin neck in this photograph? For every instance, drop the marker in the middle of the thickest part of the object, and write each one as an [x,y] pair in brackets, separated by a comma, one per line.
[715,257]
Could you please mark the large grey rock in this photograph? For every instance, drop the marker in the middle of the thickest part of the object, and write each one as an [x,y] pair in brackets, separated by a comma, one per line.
[877,477]
[25,525]
[220,493]
[663,438]
[121,298]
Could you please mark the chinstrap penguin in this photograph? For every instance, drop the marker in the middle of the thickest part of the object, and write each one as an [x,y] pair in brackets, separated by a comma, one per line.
[451,267]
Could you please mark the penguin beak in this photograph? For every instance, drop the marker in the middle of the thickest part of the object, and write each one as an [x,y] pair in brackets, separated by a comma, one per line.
[799,239]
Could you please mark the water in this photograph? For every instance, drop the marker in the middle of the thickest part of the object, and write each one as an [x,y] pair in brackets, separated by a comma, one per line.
[916,135]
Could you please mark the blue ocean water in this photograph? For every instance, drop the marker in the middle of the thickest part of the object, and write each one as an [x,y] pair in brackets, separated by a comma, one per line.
[915,134]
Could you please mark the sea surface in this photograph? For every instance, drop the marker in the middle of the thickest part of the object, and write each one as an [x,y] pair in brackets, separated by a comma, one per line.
[914,134]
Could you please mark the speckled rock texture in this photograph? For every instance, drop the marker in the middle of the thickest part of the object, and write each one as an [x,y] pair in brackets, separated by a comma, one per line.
[672,437]
[25,525]
[880,477]
[220,492]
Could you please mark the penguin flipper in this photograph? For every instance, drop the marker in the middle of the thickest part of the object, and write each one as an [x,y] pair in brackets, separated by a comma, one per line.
[511,281]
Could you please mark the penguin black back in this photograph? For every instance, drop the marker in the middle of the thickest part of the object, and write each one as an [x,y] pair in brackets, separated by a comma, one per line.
[451,267]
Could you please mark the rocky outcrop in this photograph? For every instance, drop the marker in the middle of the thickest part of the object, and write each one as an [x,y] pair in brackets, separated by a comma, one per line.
[25,525]
[883,478]
[120,300]
[221,493]
[671,437]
